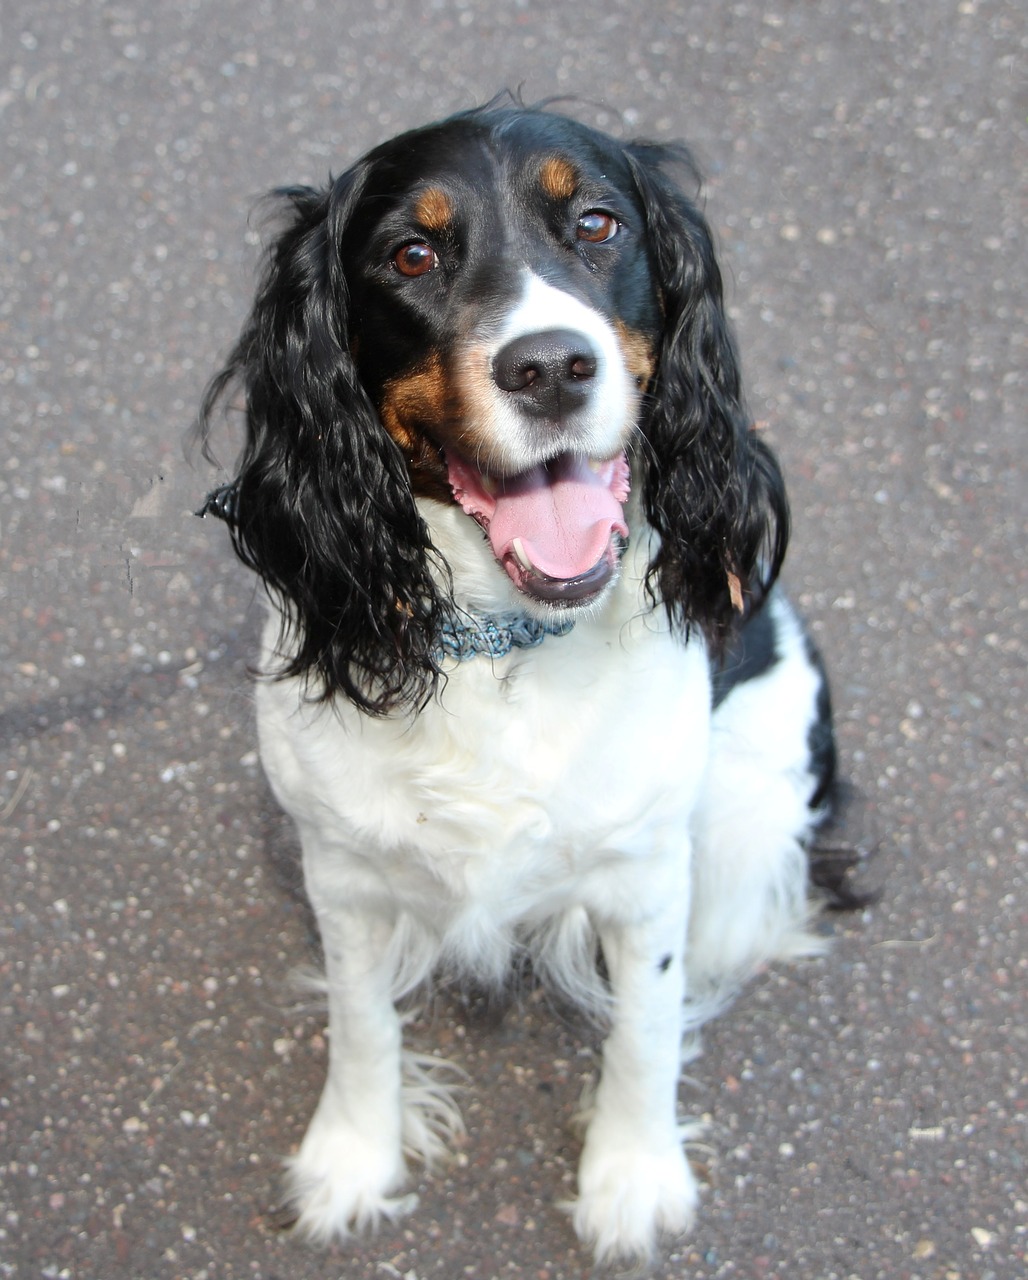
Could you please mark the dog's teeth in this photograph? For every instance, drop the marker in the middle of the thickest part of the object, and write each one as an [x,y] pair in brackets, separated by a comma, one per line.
[518,547]
[596,465]
[490,485]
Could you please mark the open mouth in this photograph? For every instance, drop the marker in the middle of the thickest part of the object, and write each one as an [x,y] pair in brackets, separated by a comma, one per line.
[557,528]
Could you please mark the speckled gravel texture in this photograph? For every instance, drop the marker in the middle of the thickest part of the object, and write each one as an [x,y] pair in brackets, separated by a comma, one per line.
[866,165]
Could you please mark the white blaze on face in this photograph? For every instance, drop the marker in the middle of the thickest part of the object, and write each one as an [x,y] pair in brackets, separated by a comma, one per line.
[503,436]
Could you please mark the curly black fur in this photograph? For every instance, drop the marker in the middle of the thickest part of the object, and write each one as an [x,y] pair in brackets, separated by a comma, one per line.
[713,490]
[322,509]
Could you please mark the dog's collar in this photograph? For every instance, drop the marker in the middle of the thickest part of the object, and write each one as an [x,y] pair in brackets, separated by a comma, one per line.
[222,502]
[462,635]
[466,635]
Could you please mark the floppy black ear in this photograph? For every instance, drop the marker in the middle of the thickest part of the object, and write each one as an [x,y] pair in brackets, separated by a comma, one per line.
[321,507]
[712,490]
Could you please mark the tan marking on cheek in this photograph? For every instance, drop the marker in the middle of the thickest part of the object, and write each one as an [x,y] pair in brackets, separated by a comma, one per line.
[640,360]
[434,210]
[426,410]
[477,438]
[412,405]
[558,178]
[412,400]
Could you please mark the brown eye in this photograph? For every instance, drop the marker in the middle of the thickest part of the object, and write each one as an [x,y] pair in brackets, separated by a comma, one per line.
[597,227]
[415,259]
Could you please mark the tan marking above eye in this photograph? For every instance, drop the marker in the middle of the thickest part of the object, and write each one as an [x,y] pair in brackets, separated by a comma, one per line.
[558,177]
[640,360]
[434,209]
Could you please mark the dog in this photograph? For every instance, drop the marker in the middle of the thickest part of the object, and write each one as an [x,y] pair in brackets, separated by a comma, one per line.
[528,687]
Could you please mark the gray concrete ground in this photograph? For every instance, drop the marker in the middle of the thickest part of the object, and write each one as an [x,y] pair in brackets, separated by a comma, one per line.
[866,165]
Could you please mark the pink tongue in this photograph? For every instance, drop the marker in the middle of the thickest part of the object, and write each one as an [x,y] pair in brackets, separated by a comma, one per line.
[563,513]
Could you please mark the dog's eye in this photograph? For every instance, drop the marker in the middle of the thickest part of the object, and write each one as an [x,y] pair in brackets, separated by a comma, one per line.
[415,259]
[597,227]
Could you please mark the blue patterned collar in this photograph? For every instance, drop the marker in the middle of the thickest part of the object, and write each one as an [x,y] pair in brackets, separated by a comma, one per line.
[466,635]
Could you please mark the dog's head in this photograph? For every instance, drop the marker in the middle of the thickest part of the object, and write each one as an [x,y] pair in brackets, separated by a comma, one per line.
[514,313]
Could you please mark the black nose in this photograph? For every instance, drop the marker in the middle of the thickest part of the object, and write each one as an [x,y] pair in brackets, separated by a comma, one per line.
[549,373]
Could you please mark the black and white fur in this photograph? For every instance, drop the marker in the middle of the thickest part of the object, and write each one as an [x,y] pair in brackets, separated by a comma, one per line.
[641,787]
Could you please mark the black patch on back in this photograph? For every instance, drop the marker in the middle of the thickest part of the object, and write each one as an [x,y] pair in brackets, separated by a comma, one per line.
[750,654]
[841,850]
[821,737]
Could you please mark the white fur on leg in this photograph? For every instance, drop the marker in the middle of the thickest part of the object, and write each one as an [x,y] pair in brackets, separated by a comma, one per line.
[630,1193]
[379,1102]
[350,1164]
[431,1117]
[343,1180]
[634,1181]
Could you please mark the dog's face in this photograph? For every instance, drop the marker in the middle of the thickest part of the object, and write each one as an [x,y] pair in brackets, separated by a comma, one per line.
[504,322]
[497,311]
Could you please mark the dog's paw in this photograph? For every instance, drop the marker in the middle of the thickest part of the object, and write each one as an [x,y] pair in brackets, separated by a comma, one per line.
[340,1182]
[629,1195]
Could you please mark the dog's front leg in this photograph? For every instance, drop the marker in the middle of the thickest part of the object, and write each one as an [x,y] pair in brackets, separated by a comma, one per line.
[634,1180]
[350,1163]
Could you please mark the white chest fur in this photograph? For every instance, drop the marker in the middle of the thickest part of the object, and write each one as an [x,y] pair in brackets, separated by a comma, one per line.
[527,775]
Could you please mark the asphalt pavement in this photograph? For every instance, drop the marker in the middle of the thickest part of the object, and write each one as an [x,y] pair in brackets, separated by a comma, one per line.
[866,166]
